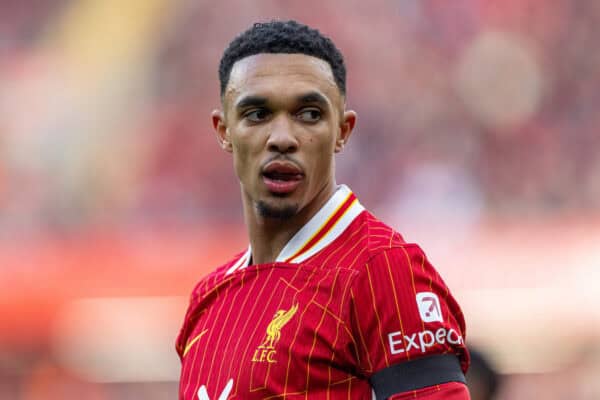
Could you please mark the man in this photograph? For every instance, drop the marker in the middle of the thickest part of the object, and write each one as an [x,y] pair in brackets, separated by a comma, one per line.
[327,302]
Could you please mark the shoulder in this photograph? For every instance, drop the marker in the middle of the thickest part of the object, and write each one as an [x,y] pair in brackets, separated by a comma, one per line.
[374,239]
[380,236]
[217,275]
[200,291]
[387,260]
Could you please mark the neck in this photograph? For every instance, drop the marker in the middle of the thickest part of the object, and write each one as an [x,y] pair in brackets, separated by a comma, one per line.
[268,236]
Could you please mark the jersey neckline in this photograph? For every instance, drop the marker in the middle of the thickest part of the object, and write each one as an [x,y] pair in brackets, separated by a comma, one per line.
[322,229]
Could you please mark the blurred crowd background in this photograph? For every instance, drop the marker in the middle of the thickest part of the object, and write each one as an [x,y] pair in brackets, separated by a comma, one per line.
[478,137]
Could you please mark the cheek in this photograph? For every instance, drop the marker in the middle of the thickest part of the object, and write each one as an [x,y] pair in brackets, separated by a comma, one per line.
[248,142]
[324,142]
[240,161]
[322,152]
[245,158]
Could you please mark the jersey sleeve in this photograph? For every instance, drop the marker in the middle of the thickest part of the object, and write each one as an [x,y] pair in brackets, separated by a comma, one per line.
[191,317]
[184,331]
[408,329]
[446,391]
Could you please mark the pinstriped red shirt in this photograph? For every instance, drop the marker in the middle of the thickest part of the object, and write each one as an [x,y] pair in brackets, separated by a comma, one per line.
[347,297]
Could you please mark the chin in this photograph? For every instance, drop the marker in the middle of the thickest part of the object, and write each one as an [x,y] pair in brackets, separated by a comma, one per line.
[277,211]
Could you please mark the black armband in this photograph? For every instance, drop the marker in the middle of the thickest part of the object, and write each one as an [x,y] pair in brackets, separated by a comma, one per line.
[416,374]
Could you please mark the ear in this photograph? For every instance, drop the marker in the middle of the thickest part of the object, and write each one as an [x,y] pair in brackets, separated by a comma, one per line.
[346,127]
[218,120]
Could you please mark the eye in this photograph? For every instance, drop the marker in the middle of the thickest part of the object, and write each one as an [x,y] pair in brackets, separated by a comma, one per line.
[309,115]
[257,115]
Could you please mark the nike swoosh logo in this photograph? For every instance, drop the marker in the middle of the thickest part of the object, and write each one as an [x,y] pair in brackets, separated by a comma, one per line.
[194,340]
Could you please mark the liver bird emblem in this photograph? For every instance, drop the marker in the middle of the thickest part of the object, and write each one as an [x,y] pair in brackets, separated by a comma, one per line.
[280,318]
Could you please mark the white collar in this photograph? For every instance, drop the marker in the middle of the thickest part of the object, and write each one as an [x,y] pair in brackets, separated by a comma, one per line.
[322,229]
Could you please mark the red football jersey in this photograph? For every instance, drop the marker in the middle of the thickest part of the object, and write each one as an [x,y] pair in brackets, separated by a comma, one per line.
[346,298]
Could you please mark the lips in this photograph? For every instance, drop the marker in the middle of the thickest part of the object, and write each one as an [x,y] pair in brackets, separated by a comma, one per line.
[282,177]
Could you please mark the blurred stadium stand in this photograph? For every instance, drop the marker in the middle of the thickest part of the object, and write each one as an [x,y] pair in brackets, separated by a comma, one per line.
[478,137]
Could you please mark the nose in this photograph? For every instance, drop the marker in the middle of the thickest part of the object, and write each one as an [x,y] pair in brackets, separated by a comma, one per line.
[282,138]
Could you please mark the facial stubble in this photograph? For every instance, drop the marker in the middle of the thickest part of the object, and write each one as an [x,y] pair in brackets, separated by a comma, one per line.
[281,213]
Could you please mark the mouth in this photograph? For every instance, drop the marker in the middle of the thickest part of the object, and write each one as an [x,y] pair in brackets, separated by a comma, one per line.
[281,177]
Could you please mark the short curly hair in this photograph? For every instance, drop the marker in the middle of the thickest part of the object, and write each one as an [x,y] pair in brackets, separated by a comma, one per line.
[288,37]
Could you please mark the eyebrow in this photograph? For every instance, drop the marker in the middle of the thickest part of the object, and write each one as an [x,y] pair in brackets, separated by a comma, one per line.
[260,101]
[251,101]
[313,97]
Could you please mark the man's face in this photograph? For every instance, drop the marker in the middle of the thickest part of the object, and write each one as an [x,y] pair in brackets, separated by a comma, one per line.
[283,119]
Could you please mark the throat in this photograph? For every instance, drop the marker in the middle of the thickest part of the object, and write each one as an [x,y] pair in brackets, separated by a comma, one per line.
[269,237]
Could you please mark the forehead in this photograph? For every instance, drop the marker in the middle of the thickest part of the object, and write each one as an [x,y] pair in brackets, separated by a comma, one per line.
[279,74]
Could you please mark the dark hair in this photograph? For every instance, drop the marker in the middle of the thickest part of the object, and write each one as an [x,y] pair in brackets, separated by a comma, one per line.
[289,37]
